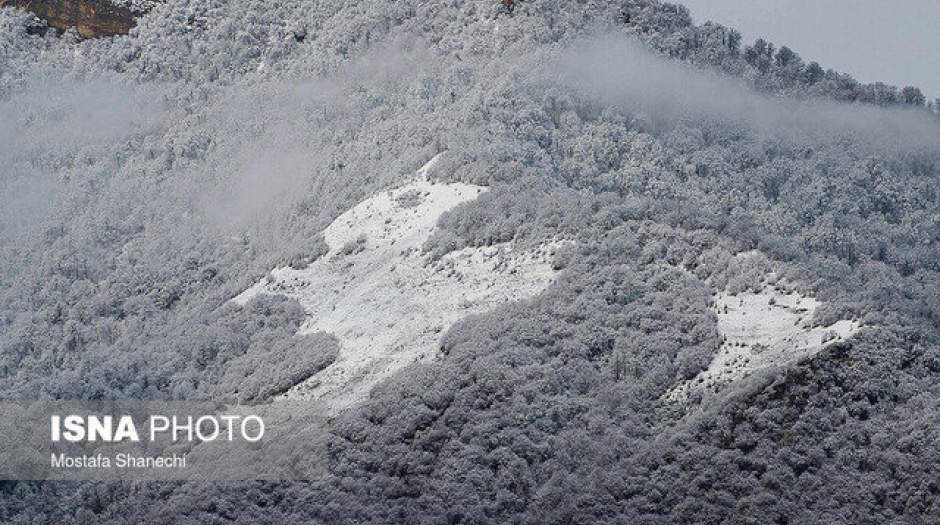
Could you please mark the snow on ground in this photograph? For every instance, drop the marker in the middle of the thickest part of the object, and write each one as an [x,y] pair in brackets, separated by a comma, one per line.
[385,301]
[762,330]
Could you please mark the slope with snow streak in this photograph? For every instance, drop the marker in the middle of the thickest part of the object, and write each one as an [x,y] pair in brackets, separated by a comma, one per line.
[762,330]
[386,301]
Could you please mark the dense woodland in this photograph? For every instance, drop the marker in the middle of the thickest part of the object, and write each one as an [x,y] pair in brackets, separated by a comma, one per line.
[150,178]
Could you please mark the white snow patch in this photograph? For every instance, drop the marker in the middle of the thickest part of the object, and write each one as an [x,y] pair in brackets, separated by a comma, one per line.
[385,301]
[762,330]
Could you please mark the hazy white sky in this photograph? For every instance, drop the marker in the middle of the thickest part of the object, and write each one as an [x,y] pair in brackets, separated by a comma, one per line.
[894,41]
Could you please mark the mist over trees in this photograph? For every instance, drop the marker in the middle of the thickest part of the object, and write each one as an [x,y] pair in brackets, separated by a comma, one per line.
[149,179]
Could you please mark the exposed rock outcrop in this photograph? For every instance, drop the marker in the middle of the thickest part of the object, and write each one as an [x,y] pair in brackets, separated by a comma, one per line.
[91,18]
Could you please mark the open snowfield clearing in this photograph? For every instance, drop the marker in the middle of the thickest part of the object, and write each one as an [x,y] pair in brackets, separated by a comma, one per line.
[762,330]
[384,300]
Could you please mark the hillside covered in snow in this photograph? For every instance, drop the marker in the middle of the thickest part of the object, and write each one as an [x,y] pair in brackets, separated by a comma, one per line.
[539,262]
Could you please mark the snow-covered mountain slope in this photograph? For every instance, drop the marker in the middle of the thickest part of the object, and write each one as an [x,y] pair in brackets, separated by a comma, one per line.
[150,178]
[385,300]
[762,330]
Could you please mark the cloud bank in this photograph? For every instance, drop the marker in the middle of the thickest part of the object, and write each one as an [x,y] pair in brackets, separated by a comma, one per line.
[619,72]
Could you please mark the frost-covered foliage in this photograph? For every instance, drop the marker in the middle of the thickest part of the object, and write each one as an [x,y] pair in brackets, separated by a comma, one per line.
[273,369]
[148,179]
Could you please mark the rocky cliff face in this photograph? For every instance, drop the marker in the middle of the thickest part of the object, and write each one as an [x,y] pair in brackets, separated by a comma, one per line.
[91,18]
